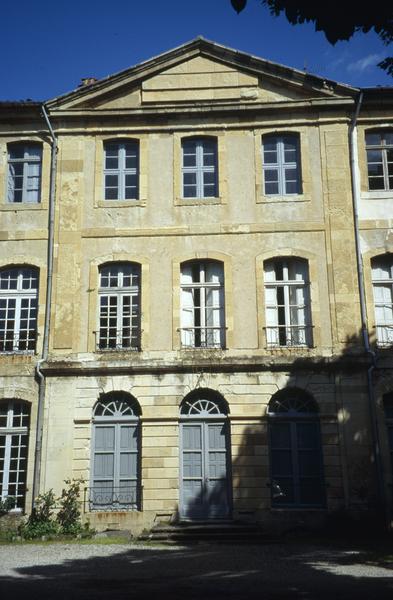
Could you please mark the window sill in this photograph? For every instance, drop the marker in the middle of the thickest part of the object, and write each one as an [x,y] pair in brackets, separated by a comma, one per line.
[276,199]
[198,201]
[141,203]
[377,195]
[15,206]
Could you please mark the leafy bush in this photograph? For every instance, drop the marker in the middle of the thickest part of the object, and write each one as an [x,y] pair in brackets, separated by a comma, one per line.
[43,522]
[7,504]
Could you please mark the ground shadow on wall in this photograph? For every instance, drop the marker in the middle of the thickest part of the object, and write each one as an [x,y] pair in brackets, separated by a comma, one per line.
[361,511]
[211,572]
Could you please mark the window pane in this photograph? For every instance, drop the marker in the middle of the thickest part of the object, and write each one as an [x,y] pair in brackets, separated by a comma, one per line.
[111,163]
[376,183]
[270,157]
[373,139]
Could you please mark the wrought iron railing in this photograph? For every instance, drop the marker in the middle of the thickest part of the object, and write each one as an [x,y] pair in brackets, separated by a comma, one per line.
[111,498]
[384,335]
[127,338]
[202,337]
[289,336]
[23,342]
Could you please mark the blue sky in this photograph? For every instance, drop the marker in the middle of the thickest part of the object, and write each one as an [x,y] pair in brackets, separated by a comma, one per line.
[48,46]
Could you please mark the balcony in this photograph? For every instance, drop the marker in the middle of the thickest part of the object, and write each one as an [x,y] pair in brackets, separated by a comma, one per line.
[106,497]
[118,340]
[289,336]
[202,337]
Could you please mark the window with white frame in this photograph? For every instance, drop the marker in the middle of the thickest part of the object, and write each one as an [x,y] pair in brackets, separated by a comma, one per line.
[202,304]
[382,278]
[296,465]
[379,149]
[281,164]
[18,309]
[14,436]
[287,304]
[119,310]
[121,170]
[116,471]
[200,168]
[24,173]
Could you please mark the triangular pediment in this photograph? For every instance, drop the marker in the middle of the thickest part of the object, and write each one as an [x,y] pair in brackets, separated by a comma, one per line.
[200,71]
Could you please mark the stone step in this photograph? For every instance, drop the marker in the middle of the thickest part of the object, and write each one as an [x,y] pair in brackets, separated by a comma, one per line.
[215,532]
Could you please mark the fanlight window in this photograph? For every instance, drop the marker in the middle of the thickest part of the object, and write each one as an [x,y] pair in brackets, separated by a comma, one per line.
[292,402]
[295,450]
[116,469]
[203,404]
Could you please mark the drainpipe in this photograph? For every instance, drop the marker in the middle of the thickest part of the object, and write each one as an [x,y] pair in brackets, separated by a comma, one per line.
[48,304]
[353,149]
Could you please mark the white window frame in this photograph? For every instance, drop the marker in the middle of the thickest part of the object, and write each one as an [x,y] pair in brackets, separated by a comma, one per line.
[200,169]
[281,166]
[123,299]
[195,306]
[28,161]
[383,299]
[9,434]
[121,171]
[382,147]
[13,337]
[288,319]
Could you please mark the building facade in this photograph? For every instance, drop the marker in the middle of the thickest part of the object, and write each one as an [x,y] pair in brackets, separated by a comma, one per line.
[196,308]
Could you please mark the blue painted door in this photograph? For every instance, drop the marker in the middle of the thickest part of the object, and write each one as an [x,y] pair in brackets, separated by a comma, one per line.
[204,481]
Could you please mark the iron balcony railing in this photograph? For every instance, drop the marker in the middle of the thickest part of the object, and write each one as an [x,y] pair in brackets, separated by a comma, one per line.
[289,336]
[127,338]
[23,342]
[112,498]
[384,335]
[202,337]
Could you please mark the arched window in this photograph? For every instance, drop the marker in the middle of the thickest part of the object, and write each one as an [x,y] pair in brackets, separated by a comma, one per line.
[382,277]
[388,408]
[116,441]
[204,403]
[281,164]
[287,302]
[14,437]
[121,172]
[18,309]
[200,171]
[119,312]
[295,450]
[24,172]
[379,149]
[202,304]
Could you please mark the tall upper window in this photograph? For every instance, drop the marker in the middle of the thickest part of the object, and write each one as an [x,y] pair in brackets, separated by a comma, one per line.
[119,312]
[18,309]
[382,277]
[116,470]
[379,148]
[295,450]
[202,304]
[288,318]
[121,172]
[24,173]
[281,164]
[200,168]
[14,435]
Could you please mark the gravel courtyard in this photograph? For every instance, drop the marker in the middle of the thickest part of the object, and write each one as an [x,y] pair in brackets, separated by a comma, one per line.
[206,571]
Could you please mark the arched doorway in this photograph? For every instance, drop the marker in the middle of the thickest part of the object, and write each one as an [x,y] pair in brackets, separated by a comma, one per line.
[115,481]
[296,465]
[204,456]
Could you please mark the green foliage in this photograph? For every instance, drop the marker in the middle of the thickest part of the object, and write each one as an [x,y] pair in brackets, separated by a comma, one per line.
[337,20]
[69,514]
[7,504]
[43,522]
